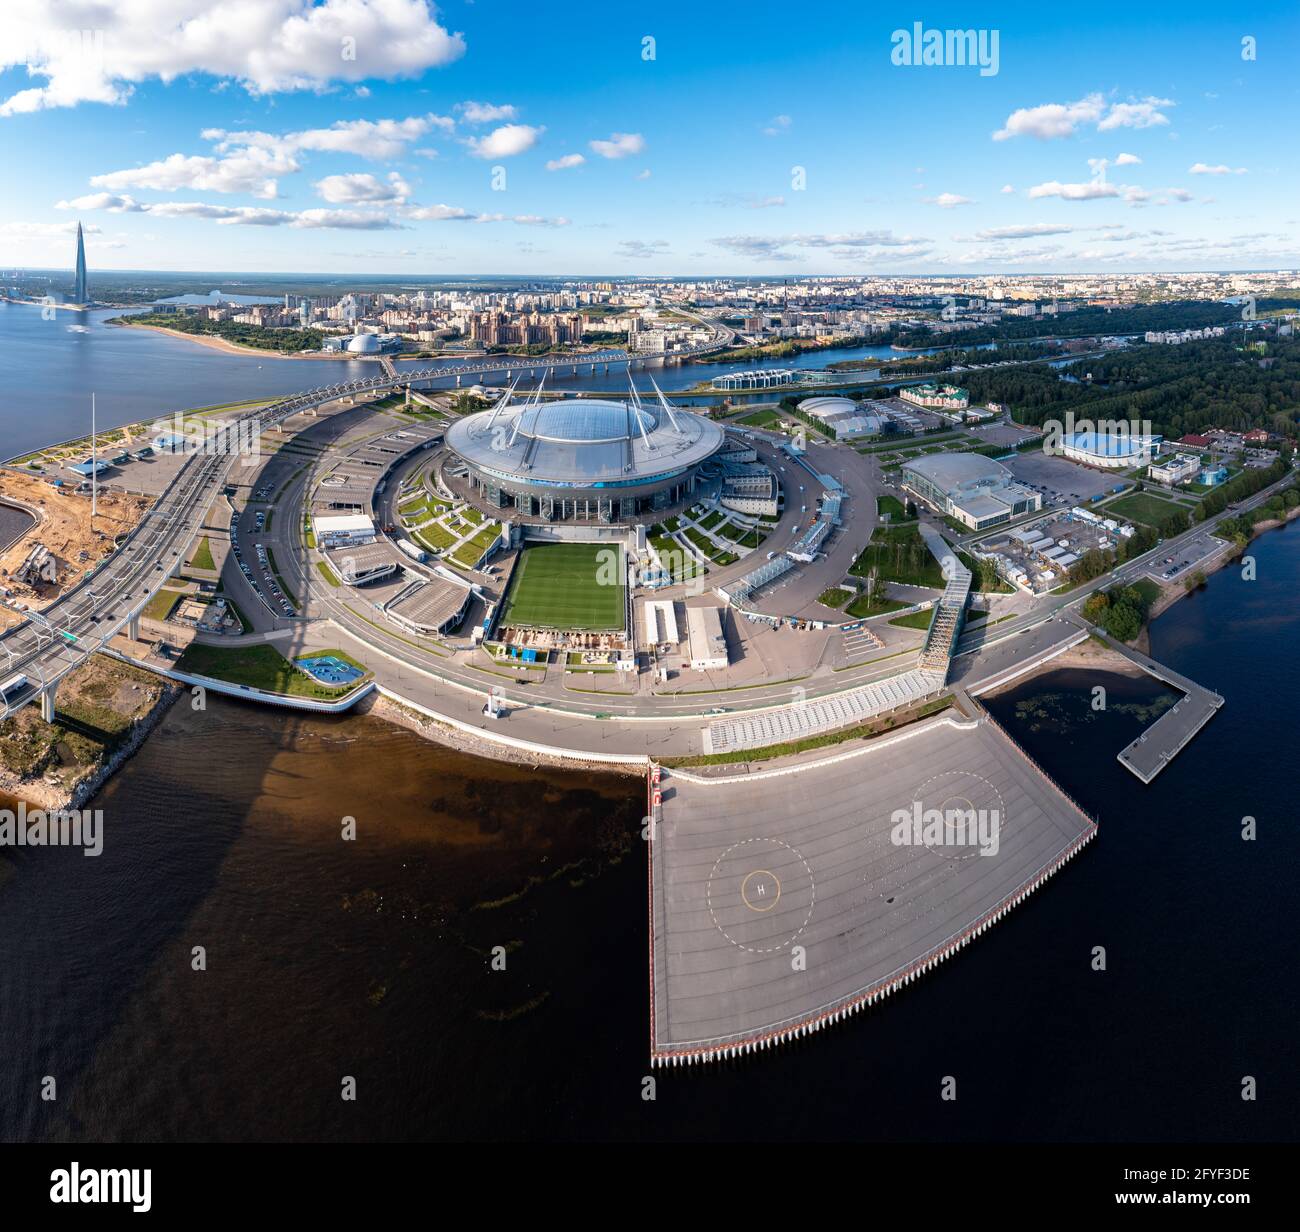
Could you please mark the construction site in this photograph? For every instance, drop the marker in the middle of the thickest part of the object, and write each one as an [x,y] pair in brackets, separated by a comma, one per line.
[61,544]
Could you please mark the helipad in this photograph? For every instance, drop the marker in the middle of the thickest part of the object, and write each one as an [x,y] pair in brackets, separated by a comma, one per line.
[784,899]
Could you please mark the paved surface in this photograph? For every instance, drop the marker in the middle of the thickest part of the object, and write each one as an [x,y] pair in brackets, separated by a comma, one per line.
[1156,747]
[743,871]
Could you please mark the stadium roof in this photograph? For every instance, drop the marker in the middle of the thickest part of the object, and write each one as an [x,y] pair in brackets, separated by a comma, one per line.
[1111,444]
[587,443]
[950,471]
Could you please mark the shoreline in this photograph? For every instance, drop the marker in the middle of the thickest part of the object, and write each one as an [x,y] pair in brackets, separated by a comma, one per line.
[215,343]
[44,795]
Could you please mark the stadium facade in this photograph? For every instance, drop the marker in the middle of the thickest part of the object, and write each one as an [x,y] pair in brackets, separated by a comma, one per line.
[975,490]
[585,460]
[1111,450]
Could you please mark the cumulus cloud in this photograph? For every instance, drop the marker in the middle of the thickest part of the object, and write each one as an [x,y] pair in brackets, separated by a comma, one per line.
[267,47]
[506,141]
[619,145]
[378,140]
[1049,121]
[250,170]
[1127,160]
[1075,192]
[486,113]
[438,213]
[1220,169]
[111,202]
[349,189]
[565,161]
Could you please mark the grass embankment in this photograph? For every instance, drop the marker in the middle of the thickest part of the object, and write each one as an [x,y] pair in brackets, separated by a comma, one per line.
[263,667]
[202,558]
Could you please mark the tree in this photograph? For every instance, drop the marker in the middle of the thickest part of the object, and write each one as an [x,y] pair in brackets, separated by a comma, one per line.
[1122,622]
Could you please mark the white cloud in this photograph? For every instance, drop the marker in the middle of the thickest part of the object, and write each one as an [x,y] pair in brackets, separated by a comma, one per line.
[643,175]
[1220,169]
[438,213]
[348,189]
[111,202]
[1144,114]
[619,145]
[1052,120]
[1007,188]
[948,201]
[269,46]
[1127,160]
[777,125]
[1027,231]
[378,140]
[1075,192]
[486,113]
[250,170]
[506,141]
[565,161]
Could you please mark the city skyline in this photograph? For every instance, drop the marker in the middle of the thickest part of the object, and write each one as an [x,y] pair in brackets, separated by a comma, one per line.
[822,151]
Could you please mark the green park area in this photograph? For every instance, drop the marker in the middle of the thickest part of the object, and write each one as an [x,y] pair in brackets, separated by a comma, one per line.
[567,586]
[899,554]
[1143,507]
[261,667]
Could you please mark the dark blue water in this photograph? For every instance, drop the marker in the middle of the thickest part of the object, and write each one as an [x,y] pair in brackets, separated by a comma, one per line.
[327,958]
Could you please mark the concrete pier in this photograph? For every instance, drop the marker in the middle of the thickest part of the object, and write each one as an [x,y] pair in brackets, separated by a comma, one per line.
[786,899]
[1156,747]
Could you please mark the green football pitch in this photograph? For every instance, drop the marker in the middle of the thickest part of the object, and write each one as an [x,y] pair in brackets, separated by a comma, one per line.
[567,586]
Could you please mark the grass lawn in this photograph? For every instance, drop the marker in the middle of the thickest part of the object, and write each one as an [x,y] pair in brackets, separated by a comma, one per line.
[836,596]
[260,667]
[712,520]
[1149,590]
[889,507]
[327,573]
[900,555]
[160,606]
[471,551]
[914,620]
[566,586]
[202,558]
[1142,507]
[860,608]
[760,419]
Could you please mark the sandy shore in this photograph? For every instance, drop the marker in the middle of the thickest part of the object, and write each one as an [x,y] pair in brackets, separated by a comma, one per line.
[214,343]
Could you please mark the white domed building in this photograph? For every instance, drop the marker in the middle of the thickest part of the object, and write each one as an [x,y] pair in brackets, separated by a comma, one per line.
[585,460]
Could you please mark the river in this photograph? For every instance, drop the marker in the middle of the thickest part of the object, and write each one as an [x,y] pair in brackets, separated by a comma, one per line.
[372,958]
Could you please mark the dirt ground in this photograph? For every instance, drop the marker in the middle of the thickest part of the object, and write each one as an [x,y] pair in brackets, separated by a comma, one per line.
[64,527]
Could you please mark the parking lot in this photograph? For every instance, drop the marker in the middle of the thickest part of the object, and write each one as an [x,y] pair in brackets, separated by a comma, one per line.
[1188,557]
[1062,483]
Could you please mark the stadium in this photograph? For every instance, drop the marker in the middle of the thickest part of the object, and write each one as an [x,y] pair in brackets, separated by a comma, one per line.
[1111,450]
[587,460]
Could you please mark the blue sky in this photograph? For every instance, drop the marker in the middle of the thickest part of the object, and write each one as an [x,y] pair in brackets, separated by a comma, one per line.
[391,136]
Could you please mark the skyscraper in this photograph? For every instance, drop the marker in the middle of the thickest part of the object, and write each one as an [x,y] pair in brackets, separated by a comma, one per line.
[79,294]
